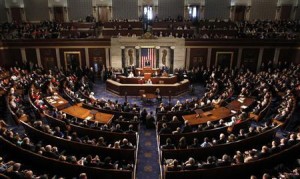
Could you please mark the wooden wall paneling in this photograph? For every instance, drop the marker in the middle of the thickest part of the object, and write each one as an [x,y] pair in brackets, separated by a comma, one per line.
[62,56]
[198,57]
[250,58]
[12,57]
[297,58]
[48,58]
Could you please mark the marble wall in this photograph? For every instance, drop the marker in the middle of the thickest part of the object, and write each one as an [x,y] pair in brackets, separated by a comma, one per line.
[166,43]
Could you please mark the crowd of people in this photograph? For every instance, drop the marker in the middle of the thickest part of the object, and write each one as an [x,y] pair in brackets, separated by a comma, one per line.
[256,29]
[73,136]
[237,159]
[208,142]
[43,30]
[39,84]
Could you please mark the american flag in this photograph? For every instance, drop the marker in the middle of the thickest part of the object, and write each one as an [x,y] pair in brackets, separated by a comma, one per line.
[148,54]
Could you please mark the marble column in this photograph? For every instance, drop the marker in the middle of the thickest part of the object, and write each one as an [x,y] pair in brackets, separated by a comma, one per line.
[172,60]
[260,56]
[137,56]
[58,58]
[123,56]
[38,56]
[188,58]
[23,54]
[208,57]
[239,60]
[276,57]
[157,56]
[87,57]
[107,57]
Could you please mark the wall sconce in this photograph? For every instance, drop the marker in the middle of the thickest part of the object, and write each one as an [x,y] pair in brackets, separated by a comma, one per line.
[137,47]
[122,47]
[172,47]
[157,47]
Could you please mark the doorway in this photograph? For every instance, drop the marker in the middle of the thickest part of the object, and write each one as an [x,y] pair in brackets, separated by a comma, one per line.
[239,14]
[97,64]
[16,14]
[49,63]
[103,13]
[58,14]
[224,60]
[197,61]
[193,11]
[285,12]
[72,60]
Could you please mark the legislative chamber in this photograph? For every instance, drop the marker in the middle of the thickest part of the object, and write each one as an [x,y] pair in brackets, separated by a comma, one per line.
[149,89]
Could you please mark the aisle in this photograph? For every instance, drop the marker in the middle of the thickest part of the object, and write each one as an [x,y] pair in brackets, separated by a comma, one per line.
[147,161]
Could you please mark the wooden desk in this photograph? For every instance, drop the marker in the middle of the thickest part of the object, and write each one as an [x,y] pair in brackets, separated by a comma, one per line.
[149,96]
[141,80]
[57,101]
[218,113]
[147,70]
[85,114]
[133,89]
[213,115]
[237,104]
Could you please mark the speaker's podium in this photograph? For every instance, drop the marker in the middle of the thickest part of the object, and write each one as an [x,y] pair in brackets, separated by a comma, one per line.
[144,70]
[147,76]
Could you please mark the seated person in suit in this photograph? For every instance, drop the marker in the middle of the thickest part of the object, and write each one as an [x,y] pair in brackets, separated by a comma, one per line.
[186,128]
[281,116]
[190,164]
[225,161]
[210,163]
[168,144]
[157,93]
[174,166]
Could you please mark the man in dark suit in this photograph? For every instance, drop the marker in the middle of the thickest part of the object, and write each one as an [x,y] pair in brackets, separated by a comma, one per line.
[168,144]
[165,129]
[186,128]
[147,63]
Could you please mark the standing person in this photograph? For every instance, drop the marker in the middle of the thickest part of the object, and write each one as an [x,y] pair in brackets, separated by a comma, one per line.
[147,63]
[92,75]
[143,116]
[150,121]
[103,71]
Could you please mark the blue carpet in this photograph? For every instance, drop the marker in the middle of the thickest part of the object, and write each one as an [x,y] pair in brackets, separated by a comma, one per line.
[148,162]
